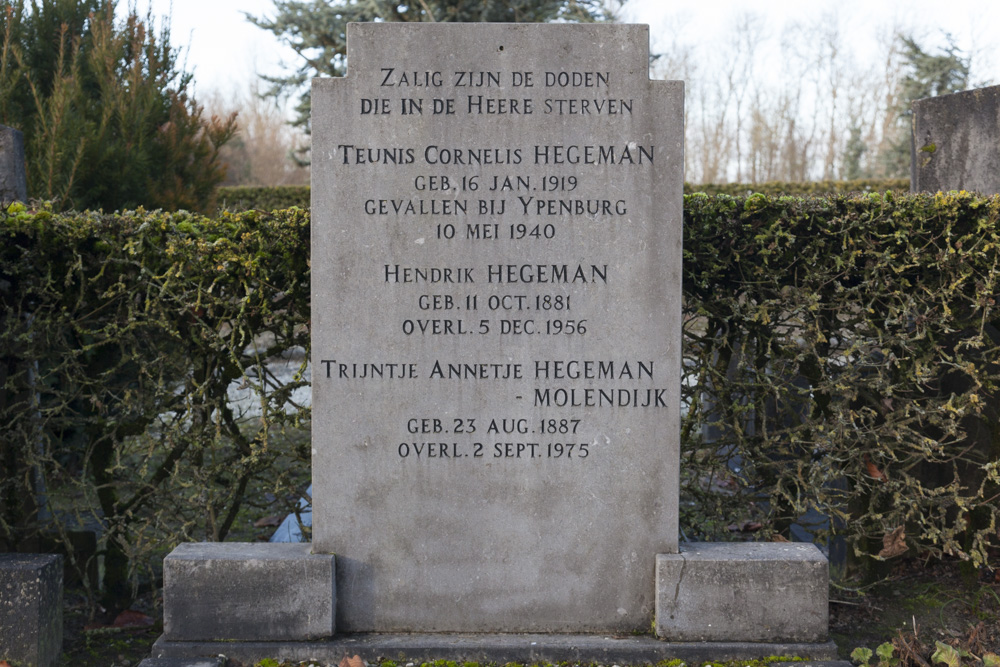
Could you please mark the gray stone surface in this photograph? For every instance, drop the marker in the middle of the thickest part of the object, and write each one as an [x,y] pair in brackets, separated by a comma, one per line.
[184,662]
[13,179]
[31,602]
[501,649]
[742,591]
[956,142]
[259,591]
[440,525]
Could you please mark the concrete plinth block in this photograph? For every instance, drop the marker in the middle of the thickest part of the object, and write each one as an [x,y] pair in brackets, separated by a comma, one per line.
[746,591]
[31,602]
[241,591]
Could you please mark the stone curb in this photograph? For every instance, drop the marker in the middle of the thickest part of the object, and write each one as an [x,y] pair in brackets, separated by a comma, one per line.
[182,662]
[498,648]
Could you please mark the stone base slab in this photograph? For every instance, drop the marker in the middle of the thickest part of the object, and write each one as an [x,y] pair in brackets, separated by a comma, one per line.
[228,591]
[501,649]
[182,662]
[743,591]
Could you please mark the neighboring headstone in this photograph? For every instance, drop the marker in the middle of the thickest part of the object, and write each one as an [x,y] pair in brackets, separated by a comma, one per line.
[231,591]
[956,142]
[496,271]
[13,178]
[31,602]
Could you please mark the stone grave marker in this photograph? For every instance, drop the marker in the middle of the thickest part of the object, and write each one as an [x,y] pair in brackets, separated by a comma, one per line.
[956,142]
[496,272]
[13,178]
[31,605]
[496,260]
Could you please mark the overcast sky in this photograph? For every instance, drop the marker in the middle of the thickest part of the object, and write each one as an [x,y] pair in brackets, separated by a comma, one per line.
[225,51]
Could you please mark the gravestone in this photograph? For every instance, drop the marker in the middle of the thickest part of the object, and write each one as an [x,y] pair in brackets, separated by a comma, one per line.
[31,602]
[956,142]
[496,327]
[496,274]
[13,180]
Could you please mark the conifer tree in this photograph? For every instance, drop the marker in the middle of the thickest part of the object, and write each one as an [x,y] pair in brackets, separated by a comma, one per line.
[106,113]
[927,75]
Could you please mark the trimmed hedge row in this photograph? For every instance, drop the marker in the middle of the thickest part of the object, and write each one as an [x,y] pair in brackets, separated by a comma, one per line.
[245,198]
[802,188]
[122,337]
[845,352]
[840,354]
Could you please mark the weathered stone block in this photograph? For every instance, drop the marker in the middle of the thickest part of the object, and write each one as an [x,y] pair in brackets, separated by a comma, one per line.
[956,142]
[13,177]
[745,591]
[31,601]
[232,591]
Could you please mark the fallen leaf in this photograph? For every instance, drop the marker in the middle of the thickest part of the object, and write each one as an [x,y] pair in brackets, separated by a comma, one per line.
[274,521]
[893,543]
[873,470]
[779,538]
[947,655]
[4,663]
[130,618]
[356,661]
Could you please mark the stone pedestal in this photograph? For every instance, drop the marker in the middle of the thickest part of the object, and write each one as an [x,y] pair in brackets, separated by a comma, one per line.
[745,591]
[714,602]
[31,602]
[233,591]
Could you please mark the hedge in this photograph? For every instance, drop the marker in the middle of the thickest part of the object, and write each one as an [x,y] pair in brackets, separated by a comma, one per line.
[245,198]
[802,188]
[845,350]
[840,354]
[120,336]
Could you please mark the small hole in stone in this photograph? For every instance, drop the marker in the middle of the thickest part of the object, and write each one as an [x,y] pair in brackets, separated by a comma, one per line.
[500,49]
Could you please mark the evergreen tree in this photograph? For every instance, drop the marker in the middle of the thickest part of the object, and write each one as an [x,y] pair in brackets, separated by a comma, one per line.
[317,29]
[928,75]
[853,152]
[107,118]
